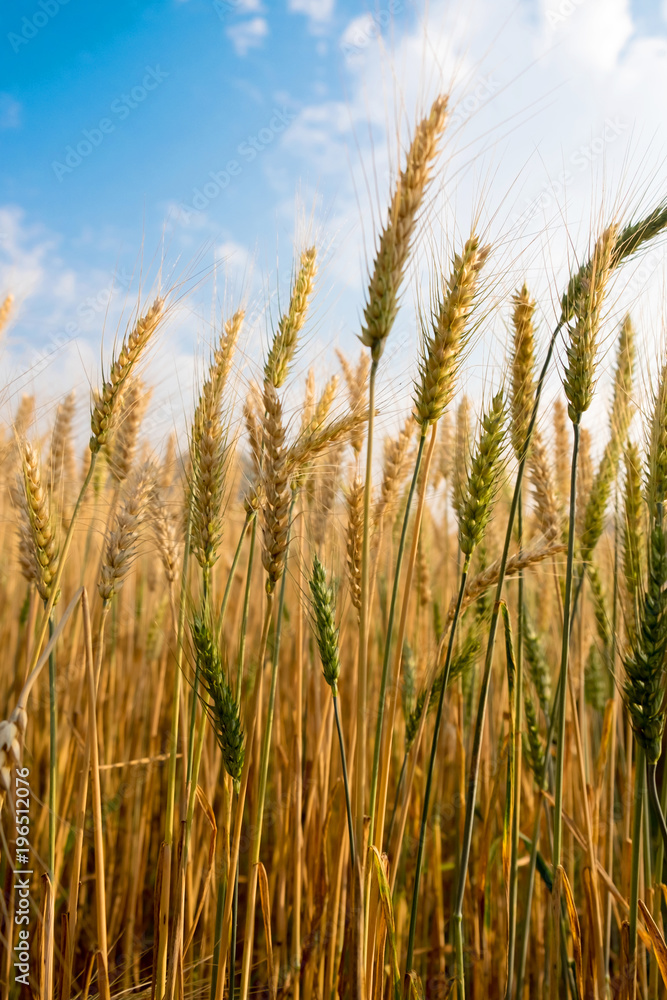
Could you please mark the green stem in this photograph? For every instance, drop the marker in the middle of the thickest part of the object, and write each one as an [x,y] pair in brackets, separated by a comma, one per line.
[516,807]
[195,691]
[258,820]
[232,571]
[651,771]
[239,683]
[611,783]
[246,606]
[360,756]
[431,767]
[634,881]
[251,518]
[473,780]
[551,724]
[163,930]
[176,700]
[223,887]
[232,946]
[659,858]
[390,628]
[348,804]
[399,785]
[565,649]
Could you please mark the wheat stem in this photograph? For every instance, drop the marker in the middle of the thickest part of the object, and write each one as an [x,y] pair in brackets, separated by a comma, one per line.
[429,777]
[250,516]
[163,926]
[389,633]
[343,760]
[251,716]
[565,649]
[471,792]
[518,709]
[400,636]
[53,756]
[258,819]
[634,877]
[654,798]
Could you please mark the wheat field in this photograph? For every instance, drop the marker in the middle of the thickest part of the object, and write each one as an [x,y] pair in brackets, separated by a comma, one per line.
[300,708]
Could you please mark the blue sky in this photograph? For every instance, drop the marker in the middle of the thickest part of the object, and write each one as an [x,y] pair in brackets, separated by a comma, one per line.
[212,138]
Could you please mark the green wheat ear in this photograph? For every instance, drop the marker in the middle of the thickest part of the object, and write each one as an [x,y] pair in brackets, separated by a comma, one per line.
[644,664]
[326,633]
[482,485]
[620,417]
[533,747]
[222,710]
[584,306]
[536,662]
[633,541]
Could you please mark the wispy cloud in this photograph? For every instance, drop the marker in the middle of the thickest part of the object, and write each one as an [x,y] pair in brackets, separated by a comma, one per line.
[10,112]
[248,34]
[318,12]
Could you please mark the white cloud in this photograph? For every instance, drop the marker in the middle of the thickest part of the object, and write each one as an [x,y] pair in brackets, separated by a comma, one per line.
[233,257]
[358,33]
[248,6]
[553,126]
[593,31]
[317,11]
[10,112]
[549,121]
[248,34]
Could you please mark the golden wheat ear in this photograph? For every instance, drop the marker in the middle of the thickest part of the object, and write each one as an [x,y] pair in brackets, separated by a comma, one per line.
[42,529]
[106,402]
[5,311]
[396,237]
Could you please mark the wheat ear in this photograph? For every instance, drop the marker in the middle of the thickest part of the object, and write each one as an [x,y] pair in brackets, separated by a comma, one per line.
[106,402]
[5,311]
[396,237]
[291,323]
